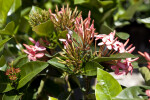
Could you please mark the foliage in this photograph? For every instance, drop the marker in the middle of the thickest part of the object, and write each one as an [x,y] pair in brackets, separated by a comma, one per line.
[57,49]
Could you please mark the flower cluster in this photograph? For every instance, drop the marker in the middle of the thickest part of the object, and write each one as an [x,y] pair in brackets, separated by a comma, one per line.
[77,49]
[36,51]
[12,72]
[85,31]
[113,44]
[146,56]
[65,18]
[148,93]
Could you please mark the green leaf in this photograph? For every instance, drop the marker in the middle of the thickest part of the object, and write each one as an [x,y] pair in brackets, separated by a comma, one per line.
[91,68]
[105,3]
[114,57]
[4,83]
[5,6]
[44,29]
[2,61]
[2,42]
[35,9]
[30,70]
[107,87]
[131,10]
[106,30]
[145,20]
[80,1]
[123,35]
[146,74]
[51,98]
[11,97]
[107,14]
[55,62]
[9,29]
[15,12]
[133,93]
[19,61]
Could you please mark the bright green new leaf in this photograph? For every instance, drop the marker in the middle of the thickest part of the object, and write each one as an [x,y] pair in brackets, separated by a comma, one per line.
[107,87]
[5,6]
[44,29]
[30,70]
[91,68]
[9,29]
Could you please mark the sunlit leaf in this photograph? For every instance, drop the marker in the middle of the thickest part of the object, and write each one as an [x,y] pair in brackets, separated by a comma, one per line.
[5,6]
[107,87]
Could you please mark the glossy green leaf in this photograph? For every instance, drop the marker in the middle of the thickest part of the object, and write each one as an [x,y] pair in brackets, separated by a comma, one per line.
[123,35]
[91,68]
[133,93]
[4,83]
[107,87]
[30,70]
[114,57]
[9,29]
[5,6]
[145,20]
[56,63]
[2,61]
[11,97]
[80,1]
[44,29]
[2,42]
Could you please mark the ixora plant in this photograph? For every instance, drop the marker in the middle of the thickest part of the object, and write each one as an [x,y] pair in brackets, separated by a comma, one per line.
[67,58]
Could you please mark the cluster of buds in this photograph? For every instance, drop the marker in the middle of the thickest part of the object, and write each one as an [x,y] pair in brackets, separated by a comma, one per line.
[37,18]
[77,49]
[36,51]
[12,73]
[65,18]
[146,56]
[148,93]
[112,45]
[85,31]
